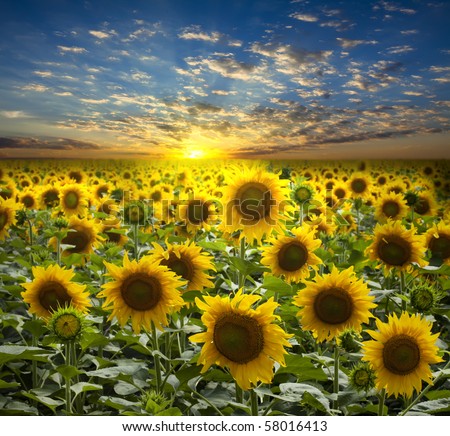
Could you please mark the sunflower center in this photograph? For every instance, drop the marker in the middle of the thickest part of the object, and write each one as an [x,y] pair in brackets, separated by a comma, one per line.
[156,196]
[197,211]
[28,201]
[390,209]
[53,295]
[292,256]
[358,185]
[303,194]
[71,200]
[333,306]
[339,192]
[67,326]
[3,219]
[141,292]
[113,236]
[394,250]
[51,197]
[254,201]
[239,338]
[78,239]
[401,355]
[422,206]
[180,266]
[440,247]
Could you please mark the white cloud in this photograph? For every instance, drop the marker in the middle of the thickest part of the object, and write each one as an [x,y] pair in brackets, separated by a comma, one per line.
[350,43]
[64,49]
[35,87]
[305,17]
[100,34]
[43,73]
[398,49]
[15,114]
[94,101]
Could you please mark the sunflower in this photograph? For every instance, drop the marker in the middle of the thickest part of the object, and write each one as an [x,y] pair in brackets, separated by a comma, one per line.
[197,212]
[401,353]
[254,202]
[438,242]
[390,205]
[114,234]
[188,262]
[240,338]
[28,198]
[426,204]
[8,209]
[73,199]
[359,186]
[48,197]
[142,290]
[333,303]
[53,288]
[396,247]
[292,256]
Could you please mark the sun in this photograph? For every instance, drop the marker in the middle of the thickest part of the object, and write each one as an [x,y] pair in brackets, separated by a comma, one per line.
[195,154]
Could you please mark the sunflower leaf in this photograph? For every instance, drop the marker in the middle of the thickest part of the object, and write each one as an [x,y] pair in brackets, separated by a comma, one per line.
[19,352]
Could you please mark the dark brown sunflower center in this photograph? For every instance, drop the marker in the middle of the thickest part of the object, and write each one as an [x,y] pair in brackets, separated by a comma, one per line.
[401,354]
[197,211]
[239,338]
[28,201]
[394,250]
[358,185]
[141,292]
[333,306]
[390,209]
[3,219]
[101,191]
[180,266]
[75,175]
[254,201]
[440,247]
[51,197]
[79,239]
[292,256]
[339,192]
[422,206]
[381,180]
[53,295]
[112,236]
[71,200]
[156,196]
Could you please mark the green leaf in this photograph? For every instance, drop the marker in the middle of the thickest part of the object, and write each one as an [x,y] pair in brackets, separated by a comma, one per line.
[272,283]
[68,371]
[246,267]
[118,403]
[433,406]
[20,352]
[303,368]
[318,403]
[93,339]
[213,245]
[35,327]
[8,385]
[46,401]
[80,387]
[437,395]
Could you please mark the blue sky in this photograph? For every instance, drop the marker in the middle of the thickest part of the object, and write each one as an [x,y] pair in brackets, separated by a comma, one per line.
[238,79]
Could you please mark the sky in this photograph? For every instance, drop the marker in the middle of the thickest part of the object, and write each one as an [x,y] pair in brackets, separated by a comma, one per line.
[225,79]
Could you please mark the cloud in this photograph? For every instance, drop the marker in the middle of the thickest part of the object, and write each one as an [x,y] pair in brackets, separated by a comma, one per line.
[77,50]
[435,69]
[409,32]
[100,34]
[45,74]
[195,32]
[350,43]
[223,92]
[94,100]
[35,87]
[398,49]
[15,114]
[46,143]
[305,17]
[394,7]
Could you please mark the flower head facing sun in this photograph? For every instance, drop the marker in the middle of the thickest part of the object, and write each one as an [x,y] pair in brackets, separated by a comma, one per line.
[143,291]
[8,210]
[53,288]
[396,247]
[240,338]
[401,353]
[333,303]
[292,256]
[254,202]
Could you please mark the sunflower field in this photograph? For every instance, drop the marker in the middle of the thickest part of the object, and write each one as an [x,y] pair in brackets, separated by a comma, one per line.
[174,288]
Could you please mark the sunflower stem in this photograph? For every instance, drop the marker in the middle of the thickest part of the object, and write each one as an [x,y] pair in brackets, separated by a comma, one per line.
[336,376]
[241,277]
[67,347]
[254,402]
[136,241]
[403,289]
[58,251]
[239,394]
[381,398]
[156,358]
